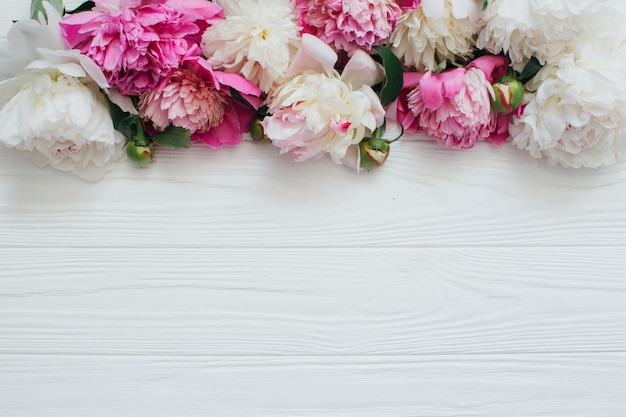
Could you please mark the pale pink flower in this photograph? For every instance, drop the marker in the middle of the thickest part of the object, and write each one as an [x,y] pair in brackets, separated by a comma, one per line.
[198,99]
[319,112]
[454,106]
[137,43]
[351,24]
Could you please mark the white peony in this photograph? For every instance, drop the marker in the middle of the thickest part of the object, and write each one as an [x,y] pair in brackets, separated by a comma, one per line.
[545,29]
[436,31]
[50,101]
[577,116]
[71,130]
[319,112]
[315,113]
[257,39]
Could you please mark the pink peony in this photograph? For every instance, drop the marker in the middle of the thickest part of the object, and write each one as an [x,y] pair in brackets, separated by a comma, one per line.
[198,99]
[138,43]
[351,24]
[454,106]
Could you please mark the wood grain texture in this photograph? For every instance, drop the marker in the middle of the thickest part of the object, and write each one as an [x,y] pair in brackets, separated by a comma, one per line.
[232,283]
[549,385]
[312,302]
[425,196]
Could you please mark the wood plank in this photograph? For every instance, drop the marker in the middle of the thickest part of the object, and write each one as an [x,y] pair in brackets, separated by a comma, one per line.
[555,385]
[312,302]
[248,197]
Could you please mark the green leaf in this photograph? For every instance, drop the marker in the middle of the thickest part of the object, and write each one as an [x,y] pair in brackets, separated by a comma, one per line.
[36,7]
[237,96]
[123,122]
[485,3]
[530,70]
[393,75]
[88,5]
[173,137]
[128,126]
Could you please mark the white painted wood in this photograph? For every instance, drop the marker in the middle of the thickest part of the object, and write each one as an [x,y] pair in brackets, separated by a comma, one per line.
[562,385]
[513,332]
[248,196]
[233,283]
[312,302]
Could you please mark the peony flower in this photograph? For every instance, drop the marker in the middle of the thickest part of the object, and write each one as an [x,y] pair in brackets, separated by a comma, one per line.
[350,25]
[51,104]
[319,112]
[73,130]
[198,99]
[545,29]
[256,40]
[437,31]
[576,116]
[138,43]
[454,106]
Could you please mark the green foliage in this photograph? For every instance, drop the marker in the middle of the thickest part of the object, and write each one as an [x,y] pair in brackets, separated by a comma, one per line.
[88,5]
[530,70]
[36,7]
[173,137]
[392,84]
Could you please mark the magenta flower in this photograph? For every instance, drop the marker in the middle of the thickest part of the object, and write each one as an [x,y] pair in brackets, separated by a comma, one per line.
[454,106]
[351,24]
[137,43]
[198,99]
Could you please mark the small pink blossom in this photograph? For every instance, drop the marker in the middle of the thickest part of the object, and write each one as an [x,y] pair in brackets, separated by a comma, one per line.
[137,43]
[198,99]
[349,25]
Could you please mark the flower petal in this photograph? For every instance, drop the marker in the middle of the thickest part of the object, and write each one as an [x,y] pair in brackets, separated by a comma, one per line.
[314,55]
[361,70]
[434,88]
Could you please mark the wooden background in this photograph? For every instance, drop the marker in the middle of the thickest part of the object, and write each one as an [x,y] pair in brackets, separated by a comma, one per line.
[233,283]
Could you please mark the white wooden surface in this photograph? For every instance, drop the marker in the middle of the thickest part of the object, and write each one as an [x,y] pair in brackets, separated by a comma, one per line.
[232,283]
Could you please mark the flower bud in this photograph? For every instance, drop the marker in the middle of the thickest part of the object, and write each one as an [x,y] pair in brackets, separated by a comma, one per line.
[140,155]
[374,152]
[256,129]
[509,93]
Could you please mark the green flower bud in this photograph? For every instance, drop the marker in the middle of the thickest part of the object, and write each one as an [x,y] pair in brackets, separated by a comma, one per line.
[374,152]
[140,155]
[509,93]
[256,129]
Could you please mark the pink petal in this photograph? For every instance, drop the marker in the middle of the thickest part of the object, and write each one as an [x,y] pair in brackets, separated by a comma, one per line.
[434,88]
[361,70]
[411,79]
[500,132]
[227,133]
[197,9]
[493,66]
[408,4]
[237,82]
[314,55]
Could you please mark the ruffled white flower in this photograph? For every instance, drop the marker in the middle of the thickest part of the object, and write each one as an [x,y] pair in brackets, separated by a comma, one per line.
[326,112]
[50,101]
[436,31]
[319,112]
[577,116]
[257,39]
[71,130]
[545,29]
